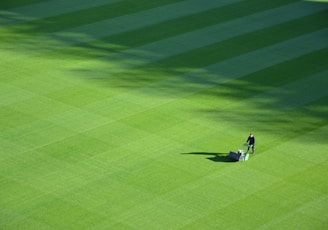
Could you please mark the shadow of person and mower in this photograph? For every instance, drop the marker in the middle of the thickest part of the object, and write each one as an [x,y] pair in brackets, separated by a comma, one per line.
[216,157]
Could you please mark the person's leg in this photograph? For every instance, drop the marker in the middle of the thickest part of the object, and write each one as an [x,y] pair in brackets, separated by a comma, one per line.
[253,149]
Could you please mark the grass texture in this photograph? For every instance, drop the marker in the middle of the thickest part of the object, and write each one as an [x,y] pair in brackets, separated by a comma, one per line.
[119,114]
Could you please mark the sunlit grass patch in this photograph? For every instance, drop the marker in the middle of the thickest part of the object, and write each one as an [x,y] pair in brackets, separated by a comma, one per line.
[122,115]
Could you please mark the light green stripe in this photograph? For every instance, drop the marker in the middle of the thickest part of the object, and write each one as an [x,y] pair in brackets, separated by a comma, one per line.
[11,94]
[300,217]
[47,9]
[287,97]
[272,55]
[256,60]
[222,72]
[210,76]
[141,19]
[113,26]
[300,92]
[182,43]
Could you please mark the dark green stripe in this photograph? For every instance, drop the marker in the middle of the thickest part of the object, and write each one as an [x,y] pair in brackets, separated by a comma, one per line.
[289,71]
[7,4]
[193,22]
[167,29]
[221,51]
[189,23]
[274,76]
[89,15]
[248,42]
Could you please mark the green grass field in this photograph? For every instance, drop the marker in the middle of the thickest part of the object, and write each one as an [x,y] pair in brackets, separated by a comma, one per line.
[119,114]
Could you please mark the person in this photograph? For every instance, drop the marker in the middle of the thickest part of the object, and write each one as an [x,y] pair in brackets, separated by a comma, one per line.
[251,142]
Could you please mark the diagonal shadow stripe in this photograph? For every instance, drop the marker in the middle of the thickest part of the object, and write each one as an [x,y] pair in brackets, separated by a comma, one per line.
[167,47]
[46,9]
[156,51]
[242,65]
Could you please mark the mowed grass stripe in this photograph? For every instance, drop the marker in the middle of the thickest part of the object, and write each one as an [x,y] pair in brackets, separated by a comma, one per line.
[192,21]
[47,9]
[216,201]
[11,94]
[128,175]
[156,15]
[305,117]
[159,50]
[35,213]
[239,66]
[53,41]
[276,109]
[214,53]
[204,202]
[106,20]
[55,183]
[247,42]
[285,100]
[131,115]
[291,201]
[291,195]
[155,86]
[62,64]
[144,18]
[19,3]
[65,39]
[308,178]
[36,121]
[124,11]
[255,83]
[172,91]
[277,53]
[300,92]
[160,203]
[57,180]
[304,217]
[261,91]
[52,181]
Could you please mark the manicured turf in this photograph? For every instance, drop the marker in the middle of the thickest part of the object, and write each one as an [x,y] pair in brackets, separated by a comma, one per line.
[120,114]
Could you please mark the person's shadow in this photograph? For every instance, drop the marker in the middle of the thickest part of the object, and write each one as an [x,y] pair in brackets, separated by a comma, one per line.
[216,157]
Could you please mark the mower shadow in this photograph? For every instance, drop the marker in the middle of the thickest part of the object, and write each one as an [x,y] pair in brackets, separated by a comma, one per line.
[216,157]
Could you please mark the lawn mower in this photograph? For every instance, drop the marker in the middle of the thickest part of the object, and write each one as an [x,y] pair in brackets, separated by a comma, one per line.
[240,155]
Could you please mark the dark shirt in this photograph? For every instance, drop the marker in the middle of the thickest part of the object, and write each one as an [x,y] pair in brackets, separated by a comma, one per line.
[251,140]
